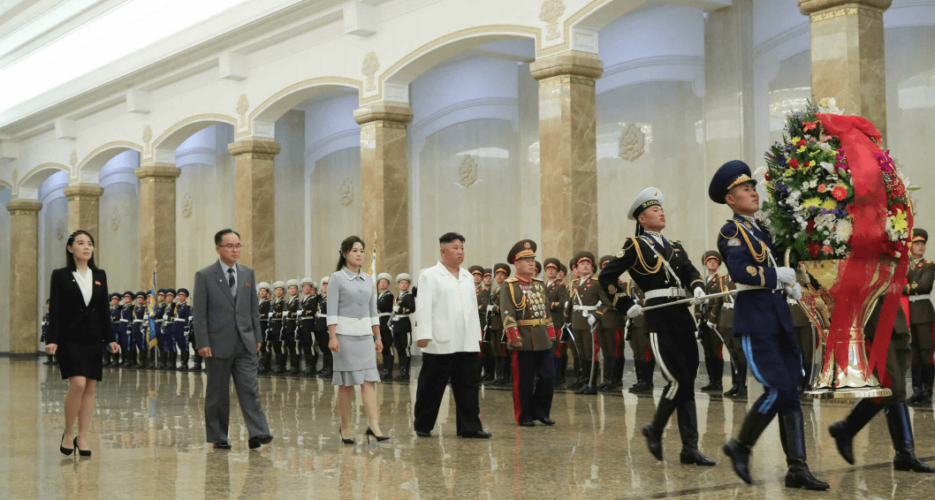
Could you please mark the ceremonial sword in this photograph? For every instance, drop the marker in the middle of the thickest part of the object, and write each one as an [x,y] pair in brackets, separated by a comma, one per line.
[685,301]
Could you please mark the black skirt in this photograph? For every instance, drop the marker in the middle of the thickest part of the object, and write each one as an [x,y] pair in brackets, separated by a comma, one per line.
[81,360]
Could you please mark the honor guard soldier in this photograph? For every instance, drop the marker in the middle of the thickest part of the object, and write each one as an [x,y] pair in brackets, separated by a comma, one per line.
[488,357]
[290,325]
[558,296]
[115,309]
[497,347]
[181,330]
[45,331]
[708,334]
[643,357]
[763,321]
[276,325]
[920,277]
[265,309]
[403,308]
[385,302]
[663,270]
[723,310]
[530,337]
[611,338]
[308,308]
[483,300]
[321,331]
[126,319]
[137,332]
[168,329]
[584,309]
[162,345]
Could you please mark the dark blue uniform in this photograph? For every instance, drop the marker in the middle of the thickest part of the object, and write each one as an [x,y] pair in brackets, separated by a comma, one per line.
[180,320]
[126,319]
[115,327]
[137,328]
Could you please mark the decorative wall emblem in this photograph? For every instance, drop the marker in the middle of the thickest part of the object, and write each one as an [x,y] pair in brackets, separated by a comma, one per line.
[549,14]
[73,158]
[467,172]
[369,69]
[147,136]
[187,205]
[114,219]
[60,230]
[346,194]
[15,177]
[242,106]
[632,142]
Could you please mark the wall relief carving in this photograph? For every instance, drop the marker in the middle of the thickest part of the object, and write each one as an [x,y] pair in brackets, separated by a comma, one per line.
[346,194]
[632,142]
[60,230]
[187,205]
[114,220]
[467,172]
[243,105]
[369,69]
[549,14]
[147,137]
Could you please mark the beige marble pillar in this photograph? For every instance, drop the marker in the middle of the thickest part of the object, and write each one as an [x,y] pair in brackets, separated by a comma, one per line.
[728,100]
[255,203]
[847,55]
[384,183]
[157,223]
[84,208]
[24,275]
[568,152]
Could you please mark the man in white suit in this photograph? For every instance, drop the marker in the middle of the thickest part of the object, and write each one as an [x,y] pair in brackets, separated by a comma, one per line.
[227,334]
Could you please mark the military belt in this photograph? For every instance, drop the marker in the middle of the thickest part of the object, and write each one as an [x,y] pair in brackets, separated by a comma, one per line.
[137,321]
[584,308]
[320,315]
[532,322]
[746,288]
[384,315]
[916,298]
[400,316]
[673,292]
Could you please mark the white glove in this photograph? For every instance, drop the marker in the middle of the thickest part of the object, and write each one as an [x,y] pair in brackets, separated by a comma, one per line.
[591,320]
[699,297]
[794,291]
[634,311]
[728,305]
[711,325]
[785,275]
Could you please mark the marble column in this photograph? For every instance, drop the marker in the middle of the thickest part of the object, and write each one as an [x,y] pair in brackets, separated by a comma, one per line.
[255,203]
[847,55]
[568,152]
[384,183]
[157,223]
[24,275]
[84,208]
[728,99]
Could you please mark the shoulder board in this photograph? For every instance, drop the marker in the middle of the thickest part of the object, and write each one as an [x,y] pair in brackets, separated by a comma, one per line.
[537,279]
[594,279]
[514,279]
[627,244]
[929,262]
[678,242]
[730,230]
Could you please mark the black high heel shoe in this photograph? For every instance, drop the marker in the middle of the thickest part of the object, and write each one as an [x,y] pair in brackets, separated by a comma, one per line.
[65,451]
[344,439]
[82,453]
[378,438]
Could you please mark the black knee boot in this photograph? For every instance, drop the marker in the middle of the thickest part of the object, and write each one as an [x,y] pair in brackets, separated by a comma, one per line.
[589,382]
[688,430]
[916,396]
[738,449]
[197,358]
[387,372]
[172,358]
[792,435]
[293,359]
[844,431]
[897,419]
[280,365]
[928,379]
[653,431]
[266,355]
[311,361]
[184,357]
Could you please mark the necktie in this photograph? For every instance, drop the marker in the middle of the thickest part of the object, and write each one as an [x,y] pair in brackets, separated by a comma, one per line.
[231,282]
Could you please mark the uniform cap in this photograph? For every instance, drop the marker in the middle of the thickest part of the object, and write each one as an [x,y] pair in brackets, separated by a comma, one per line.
[553,262]
[183,290]
[128,294]
[580,256]
[403,277]
[384,276]
[649,197]
[115,294]
[604,259]
[563,269]
[476,270]
[325,280]
[711,254]
[170,291]
[523,249]
[538,267]
[161,291]
[502,267]
[292,282]
[488,272]
[919,235]
[279,284]
[141,294]
[729,176]
[264,285]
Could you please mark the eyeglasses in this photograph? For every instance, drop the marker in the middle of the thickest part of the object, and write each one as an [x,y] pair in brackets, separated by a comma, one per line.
[231,246]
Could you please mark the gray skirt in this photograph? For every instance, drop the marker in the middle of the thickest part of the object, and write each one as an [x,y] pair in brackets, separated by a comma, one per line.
[357,361]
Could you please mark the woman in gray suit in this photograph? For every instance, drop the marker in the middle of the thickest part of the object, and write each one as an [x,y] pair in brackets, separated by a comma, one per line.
[353,324]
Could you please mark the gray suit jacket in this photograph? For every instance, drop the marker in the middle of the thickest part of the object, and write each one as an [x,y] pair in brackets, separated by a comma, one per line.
[219,320]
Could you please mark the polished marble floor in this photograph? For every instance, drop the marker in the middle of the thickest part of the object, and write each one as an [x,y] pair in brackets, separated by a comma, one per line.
[148,443]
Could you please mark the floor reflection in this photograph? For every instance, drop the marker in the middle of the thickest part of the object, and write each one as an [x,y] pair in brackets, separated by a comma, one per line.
[148,442]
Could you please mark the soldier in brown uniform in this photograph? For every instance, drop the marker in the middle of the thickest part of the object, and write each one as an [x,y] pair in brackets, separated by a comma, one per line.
[724,312]
[501,361]
[488,358]
[920,277]
[611,339]
[483,300]
[643,358]
[708,334]
[558,295]
[530,336]
[583,308]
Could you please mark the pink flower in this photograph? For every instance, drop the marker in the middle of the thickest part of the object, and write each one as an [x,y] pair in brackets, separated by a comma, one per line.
[827,250]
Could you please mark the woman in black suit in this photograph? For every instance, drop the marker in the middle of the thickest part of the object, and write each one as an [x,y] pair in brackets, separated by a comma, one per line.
[79,326]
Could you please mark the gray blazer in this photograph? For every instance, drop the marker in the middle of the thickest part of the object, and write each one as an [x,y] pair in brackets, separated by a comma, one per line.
[219,319]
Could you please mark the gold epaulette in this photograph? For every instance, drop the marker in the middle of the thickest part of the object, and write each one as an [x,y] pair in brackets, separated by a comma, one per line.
[594,279]
[514,279]
[736,226]
[537,279]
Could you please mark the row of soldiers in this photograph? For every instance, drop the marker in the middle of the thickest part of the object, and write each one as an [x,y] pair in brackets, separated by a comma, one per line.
[294,324]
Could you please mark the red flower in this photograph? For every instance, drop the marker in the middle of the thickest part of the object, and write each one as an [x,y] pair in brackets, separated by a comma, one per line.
[801,143]
[793,163]
[839,193]
[810,227]
[813,249]
[766,176]
[810,125]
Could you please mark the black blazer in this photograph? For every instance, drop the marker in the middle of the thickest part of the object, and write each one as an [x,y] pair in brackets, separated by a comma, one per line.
[70,321]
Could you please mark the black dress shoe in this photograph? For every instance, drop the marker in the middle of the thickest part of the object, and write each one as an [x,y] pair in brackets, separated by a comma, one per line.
[546,421]
[694,456]
[476,435]
[732,391]
[424,434]
[222,446]
[256,441]
[527,423]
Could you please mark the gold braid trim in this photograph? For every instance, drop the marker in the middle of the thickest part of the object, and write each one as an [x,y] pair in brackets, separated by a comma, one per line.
[649,270]
[521,305]
[732,236]
[758,257]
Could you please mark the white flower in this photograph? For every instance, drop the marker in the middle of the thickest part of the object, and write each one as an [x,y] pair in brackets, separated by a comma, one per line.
[824,146]
[844,229]
[829,167]
[829,105]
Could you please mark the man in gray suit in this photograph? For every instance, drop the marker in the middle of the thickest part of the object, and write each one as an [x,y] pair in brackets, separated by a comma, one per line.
[227,334]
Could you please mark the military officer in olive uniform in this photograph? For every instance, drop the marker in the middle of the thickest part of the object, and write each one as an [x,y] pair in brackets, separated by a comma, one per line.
[644,360]
[530,337]
[401,324]
[558,295]
[276,325]
[497,346]
[920,277]
[483,300]
[611,339]
[266,351]
[307,309]
[321,331]
[584,309]
[488,357]
[385,301]
[665,273]
[708,333]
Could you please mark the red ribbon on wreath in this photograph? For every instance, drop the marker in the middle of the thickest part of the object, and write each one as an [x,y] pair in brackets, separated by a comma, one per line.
[868,244]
